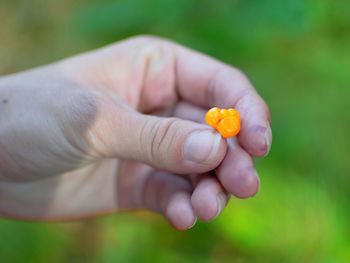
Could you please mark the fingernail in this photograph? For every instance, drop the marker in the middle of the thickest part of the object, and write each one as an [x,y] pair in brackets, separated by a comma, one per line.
[221,202]
[195,221]
[268,139]
[202,146]
[259,184]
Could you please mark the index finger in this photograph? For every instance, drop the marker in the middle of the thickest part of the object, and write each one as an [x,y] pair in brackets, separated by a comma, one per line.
[206,82]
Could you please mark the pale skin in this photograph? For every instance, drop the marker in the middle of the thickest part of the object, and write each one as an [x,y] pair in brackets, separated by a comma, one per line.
[121,128]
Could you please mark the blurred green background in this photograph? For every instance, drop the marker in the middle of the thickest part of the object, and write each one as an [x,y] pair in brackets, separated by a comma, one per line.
[297,54]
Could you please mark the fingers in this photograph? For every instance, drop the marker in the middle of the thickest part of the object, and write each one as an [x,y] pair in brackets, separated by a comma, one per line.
[170,144]
[247,137]
[170,195]
[237,173]
[179,211]
[255,136]
[160,192]
[208,198]
[179,200]
[206,82]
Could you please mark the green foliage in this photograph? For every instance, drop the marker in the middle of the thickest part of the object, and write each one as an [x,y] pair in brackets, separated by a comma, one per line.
[296,53]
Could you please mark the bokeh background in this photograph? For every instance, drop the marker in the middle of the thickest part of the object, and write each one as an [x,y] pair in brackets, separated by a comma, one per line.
[297,54]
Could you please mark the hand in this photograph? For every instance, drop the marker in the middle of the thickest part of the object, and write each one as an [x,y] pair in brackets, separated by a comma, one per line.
[121,128]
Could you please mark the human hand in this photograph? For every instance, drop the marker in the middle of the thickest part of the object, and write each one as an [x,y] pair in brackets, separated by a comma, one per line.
[121,128]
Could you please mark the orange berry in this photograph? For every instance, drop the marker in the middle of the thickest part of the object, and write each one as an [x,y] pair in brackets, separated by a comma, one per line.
[229,126]
[225,121]
[213,117]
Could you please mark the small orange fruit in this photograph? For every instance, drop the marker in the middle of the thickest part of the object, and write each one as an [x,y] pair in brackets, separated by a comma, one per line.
[225,121]
[228,127]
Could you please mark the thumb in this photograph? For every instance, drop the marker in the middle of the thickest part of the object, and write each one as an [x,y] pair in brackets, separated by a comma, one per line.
[170,144]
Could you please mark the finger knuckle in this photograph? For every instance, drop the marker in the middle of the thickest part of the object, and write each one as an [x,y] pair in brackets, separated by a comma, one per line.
[162,137]
[145,38]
